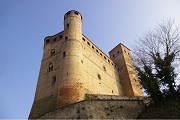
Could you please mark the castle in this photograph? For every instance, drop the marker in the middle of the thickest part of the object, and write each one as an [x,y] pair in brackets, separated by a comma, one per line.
[73,69]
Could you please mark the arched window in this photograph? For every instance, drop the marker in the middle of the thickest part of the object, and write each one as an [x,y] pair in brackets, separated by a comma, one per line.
[52,52]
[50,67]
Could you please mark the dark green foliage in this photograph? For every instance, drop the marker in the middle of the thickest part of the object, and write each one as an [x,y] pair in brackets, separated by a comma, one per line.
[150,83]
[165,71]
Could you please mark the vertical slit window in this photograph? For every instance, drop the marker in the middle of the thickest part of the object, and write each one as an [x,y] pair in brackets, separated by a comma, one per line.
[99,76]
[104,68]
[64,54]
[53,80]
[68,25]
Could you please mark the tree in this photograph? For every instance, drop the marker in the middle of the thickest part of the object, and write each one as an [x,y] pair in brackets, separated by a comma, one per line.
[159,49]
[150,83]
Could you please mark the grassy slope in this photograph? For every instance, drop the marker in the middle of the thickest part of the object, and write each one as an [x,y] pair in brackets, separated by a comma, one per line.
[171,110]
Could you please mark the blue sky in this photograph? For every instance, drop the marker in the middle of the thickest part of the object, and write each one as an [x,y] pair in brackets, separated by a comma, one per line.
[25,24]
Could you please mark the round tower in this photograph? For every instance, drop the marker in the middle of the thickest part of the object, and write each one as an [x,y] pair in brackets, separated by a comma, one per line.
[71,88]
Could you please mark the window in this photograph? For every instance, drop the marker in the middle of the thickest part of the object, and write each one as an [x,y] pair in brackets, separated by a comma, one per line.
[64,54]
[67,25]
[99,76]
[83,39]
[53,80]
[88,43]
[101,54]
[109,61]
[104,57]
[50,67]
[104,68]
[124,51]
[113,55]
[66,38]
[97,50]
[52,52]
[93,47]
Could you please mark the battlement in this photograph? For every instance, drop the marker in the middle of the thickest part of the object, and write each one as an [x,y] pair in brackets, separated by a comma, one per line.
[73,13]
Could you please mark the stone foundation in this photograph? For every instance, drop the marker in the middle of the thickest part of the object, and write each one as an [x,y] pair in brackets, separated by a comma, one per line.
[101,107]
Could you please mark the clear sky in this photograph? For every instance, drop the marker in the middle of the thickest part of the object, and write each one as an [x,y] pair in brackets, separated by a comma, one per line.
[25,23]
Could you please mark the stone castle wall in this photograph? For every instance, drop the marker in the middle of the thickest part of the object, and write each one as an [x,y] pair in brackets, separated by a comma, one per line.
[100,107]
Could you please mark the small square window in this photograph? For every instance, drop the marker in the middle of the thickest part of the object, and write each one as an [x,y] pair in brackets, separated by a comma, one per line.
[88,43]
[83,39]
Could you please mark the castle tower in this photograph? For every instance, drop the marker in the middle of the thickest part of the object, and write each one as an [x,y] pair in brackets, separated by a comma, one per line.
[122,57]
[71,88]
[60,80]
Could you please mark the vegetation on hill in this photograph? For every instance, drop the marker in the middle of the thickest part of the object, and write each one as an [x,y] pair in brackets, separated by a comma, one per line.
[168,110]
[157,60]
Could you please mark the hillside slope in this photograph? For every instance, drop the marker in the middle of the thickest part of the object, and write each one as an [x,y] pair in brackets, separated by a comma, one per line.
[170,110]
